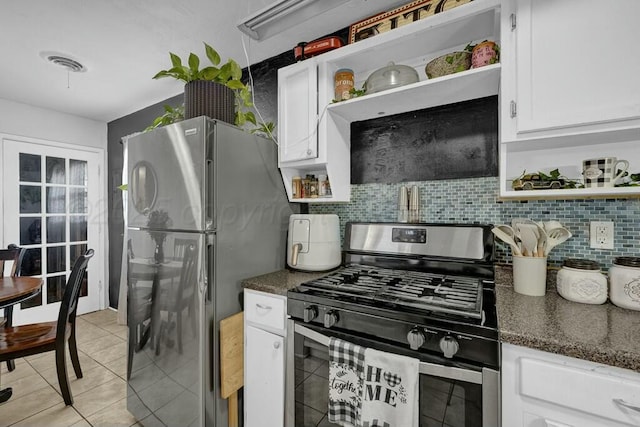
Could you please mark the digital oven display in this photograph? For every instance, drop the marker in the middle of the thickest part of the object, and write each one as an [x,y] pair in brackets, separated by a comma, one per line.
[409,235]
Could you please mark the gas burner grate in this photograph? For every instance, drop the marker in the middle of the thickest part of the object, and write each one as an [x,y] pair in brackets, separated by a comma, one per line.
[425,291]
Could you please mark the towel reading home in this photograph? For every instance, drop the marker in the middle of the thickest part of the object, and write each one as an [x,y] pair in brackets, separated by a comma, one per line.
[371,388]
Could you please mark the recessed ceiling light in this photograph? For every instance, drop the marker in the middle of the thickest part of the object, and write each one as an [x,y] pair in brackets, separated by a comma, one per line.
[63,61]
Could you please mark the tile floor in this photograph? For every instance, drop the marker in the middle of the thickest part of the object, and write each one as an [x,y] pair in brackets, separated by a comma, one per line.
[100,397]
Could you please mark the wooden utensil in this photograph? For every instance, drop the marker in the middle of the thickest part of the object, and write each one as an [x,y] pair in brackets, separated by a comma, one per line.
[232,362]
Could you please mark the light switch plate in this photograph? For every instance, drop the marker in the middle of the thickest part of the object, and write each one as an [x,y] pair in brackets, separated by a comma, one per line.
[601,234]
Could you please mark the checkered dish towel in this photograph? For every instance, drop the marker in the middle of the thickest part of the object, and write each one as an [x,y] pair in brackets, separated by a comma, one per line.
[346,374]
[390,390]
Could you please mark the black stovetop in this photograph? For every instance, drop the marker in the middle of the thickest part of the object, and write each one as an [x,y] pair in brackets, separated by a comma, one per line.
[418,291]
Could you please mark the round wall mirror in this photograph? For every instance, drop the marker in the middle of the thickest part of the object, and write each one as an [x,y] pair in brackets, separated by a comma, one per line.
[143,187]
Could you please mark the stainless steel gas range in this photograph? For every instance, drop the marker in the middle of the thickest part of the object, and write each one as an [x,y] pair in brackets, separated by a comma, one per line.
[420,290]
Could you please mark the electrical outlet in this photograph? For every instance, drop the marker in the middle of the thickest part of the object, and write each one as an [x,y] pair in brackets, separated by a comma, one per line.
[601,234]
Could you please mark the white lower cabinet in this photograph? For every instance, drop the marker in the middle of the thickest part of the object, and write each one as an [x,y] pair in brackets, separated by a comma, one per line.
[541,389]
[264,392]
[264,359]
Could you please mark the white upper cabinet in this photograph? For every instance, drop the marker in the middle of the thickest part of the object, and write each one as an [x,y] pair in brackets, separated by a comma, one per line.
[306,118]
[570,90]
[575,66]
[297,118]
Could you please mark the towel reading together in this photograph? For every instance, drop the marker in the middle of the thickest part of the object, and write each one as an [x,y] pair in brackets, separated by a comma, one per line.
[346,369]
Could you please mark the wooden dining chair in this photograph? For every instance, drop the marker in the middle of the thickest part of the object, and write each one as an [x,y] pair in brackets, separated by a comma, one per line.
[15,254]
[181,295]
[179,245]
[25,340]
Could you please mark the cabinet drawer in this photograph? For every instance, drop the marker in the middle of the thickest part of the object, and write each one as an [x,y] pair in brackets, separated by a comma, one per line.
[588,391]
[265,309]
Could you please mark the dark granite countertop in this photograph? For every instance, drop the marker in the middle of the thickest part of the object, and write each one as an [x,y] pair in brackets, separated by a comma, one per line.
[599,333]
[279,282]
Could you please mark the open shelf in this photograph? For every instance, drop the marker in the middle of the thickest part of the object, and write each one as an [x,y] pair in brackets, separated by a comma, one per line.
[471,84]
[573,193]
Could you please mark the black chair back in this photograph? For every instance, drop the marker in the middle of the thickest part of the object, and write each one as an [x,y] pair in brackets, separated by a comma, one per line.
[69,305]
[12,253]
[188,273]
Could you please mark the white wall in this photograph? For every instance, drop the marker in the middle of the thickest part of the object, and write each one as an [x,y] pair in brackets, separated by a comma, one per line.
[33,122]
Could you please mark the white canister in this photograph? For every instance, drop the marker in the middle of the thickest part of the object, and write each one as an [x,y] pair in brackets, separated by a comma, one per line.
[624,276]
[580,280]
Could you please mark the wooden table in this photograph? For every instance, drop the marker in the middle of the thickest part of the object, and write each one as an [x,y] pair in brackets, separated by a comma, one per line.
[14,290]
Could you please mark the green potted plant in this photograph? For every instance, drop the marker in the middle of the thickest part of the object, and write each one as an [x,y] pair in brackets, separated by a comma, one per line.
[213,91]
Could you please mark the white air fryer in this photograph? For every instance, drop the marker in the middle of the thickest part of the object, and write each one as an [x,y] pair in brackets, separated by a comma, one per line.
[314,242]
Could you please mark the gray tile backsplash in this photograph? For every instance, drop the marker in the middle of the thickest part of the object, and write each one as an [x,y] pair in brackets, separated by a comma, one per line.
[476,201]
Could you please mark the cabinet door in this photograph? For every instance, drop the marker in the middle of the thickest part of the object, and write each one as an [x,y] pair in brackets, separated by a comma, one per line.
[541,389]
[575,63]
[298,111]
[264,378]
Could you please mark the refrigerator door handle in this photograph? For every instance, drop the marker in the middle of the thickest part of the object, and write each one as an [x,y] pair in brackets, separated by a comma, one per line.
[210,190]
[209,271]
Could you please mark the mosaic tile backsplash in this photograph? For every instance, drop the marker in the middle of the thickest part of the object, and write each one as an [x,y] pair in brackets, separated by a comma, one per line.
[476,201]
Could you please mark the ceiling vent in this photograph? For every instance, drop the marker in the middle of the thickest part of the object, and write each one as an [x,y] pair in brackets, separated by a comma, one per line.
[63,61]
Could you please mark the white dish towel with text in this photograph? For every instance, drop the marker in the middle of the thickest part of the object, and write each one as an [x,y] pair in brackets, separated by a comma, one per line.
[346,375]
[390,392]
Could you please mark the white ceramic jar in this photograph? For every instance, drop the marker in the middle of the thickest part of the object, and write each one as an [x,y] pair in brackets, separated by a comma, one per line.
[624,276]
[580,280]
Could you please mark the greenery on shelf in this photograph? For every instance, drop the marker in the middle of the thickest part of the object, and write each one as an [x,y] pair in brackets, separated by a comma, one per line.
[171,115]
[267,129]
[628,180]
[354,93]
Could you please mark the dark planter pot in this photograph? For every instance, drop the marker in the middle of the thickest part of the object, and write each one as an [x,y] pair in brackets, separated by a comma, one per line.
[211,99]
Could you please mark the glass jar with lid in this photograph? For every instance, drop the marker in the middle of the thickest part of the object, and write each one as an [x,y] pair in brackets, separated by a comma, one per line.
[624,276]
[580,280]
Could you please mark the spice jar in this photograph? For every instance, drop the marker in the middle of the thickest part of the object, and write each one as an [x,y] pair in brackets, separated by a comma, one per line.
[305,187]
[624,277]
[322,185]
[580,280]
[313,186]
[343,83]
[327,188]
[296,187]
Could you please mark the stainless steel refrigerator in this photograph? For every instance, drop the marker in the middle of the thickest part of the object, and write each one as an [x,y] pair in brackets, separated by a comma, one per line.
[206,209]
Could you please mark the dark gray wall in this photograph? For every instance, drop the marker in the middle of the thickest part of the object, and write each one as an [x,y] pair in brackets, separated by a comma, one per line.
[117,129]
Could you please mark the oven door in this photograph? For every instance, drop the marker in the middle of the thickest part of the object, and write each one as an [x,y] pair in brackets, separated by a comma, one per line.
[450,396]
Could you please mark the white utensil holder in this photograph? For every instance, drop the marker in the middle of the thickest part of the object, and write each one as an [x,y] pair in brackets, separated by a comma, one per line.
[530,275]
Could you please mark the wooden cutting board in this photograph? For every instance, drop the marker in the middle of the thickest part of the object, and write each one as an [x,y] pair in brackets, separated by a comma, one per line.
[232,362]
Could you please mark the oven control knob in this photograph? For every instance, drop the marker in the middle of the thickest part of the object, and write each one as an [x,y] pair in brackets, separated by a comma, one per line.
[330,318]
[310,313]
[449,346]
[416,338]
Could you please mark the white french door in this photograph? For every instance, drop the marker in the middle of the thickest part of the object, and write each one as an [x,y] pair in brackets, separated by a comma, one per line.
[52,207]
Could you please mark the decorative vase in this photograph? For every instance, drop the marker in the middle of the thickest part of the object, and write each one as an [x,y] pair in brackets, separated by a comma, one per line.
[211,99]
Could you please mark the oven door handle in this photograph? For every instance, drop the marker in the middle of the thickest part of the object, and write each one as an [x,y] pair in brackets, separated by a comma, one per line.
[426,368]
